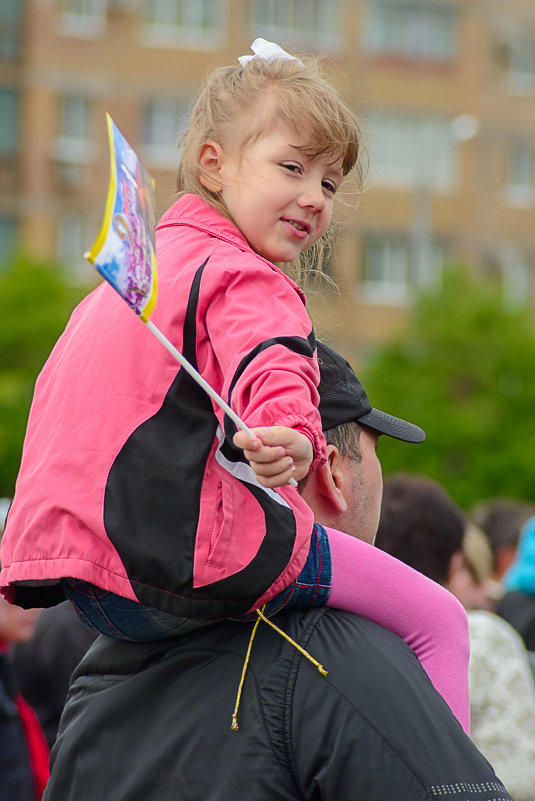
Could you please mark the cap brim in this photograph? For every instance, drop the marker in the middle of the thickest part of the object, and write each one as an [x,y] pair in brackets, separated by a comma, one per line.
[392,426]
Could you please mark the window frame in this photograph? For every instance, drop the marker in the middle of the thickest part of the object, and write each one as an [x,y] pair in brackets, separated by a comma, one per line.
[517,192]
[319,36]
[406,20]
[13,136]
[88,21]
[163,152]
[521,52]
[419,151]
[11,32]
[9,229]
[169,34]
[392,289]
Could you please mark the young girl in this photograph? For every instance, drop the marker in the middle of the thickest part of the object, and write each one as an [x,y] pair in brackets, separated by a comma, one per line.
[132,497]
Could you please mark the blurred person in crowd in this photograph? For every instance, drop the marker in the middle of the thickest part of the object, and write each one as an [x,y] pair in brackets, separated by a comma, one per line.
[517,605]
[44,655]
[501,519]
[422,525]
[153,720]
[24,752]
[44,663]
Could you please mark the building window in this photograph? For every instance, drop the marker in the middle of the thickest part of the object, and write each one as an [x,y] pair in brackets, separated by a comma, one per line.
[74,142]
[163,123]
[512,268]
[9,121]
[193,24]
[9,140]
[413,151]
[520,174]
[416,31]
[516,279]
[73,150]
[307,23]
[84,19]
[10,29]
[8,236]
[389,273]
[73,240]
[521,64]
[75,113]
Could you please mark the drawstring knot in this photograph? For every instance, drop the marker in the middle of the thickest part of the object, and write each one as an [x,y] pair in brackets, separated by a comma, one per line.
[261,616]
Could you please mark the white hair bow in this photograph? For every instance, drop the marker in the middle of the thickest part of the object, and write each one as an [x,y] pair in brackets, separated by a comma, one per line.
[267,50]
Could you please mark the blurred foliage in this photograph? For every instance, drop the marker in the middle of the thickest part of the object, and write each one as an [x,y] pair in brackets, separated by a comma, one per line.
[463,371]
[35,303]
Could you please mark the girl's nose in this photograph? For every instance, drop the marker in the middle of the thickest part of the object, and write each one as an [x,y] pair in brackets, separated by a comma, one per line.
[313,196]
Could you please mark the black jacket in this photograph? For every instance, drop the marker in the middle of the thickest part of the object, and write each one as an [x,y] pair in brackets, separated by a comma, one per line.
[518,608]
[153,720]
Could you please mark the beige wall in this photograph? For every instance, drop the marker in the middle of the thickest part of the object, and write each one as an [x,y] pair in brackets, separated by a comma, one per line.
[119,73]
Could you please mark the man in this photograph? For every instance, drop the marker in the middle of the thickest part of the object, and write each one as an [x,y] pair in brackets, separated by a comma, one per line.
[153,720]
[517,605]
[24,753]
[502,520]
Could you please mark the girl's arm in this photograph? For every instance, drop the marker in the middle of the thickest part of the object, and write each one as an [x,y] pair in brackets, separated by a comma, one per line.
[372,583]
[261,337]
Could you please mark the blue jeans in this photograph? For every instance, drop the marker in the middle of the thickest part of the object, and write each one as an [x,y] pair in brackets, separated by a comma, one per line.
[124,619]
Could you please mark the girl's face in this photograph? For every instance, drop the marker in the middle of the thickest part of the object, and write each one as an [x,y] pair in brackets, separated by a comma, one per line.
[280,198]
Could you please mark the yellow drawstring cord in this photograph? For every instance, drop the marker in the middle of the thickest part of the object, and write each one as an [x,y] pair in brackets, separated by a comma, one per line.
[261,616]
[234,725]
[301,650]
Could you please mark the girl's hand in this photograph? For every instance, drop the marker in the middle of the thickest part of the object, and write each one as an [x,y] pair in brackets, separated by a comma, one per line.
[276,454]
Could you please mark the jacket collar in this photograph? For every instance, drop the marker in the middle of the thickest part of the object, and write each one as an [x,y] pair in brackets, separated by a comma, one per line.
[193,211]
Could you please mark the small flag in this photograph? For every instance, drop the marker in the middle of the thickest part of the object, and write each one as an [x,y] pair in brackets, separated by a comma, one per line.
[124,251]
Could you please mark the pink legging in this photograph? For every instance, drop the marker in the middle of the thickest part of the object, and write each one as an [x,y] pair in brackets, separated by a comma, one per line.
[371,583]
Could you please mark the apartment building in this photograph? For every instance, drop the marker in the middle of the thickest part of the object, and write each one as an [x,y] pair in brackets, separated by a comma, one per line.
[445,88]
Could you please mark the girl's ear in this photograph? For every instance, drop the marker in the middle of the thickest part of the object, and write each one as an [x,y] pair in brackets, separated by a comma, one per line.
[211,161]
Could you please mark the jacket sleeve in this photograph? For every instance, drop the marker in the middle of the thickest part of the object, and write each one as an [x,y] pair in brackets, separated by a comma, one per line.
[263,344]
[381,730]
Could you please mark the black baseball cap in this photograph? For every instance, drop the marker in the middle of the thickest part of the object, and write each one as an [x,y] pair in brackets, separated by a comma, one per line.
[342,400]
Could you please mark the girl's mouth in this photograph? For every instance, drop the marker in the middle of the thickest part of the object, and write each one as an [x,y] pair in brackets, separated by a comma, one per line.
[302,229]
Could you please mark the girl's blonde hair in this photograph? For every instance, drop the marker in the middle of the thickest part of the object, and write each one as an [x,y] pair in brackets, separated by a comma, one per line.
[238,105]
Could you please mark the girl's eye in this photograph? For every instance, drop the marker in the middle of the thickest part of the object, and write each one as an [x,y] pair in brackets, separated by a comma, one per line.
[292,167]
[329,186]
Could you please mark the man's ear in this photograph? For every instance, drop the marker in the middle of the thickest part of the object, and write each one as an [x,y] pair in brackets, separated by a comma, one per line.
[330,481]
[210,162]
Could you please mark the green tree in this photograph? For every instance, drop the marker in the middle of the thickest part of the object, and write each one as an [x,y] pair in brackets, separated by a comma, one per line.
[35,302]
[463,370]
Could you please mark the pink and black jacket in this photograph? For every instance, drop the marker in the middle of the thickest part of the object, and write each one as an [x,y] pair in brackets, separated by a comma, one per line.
[128,477]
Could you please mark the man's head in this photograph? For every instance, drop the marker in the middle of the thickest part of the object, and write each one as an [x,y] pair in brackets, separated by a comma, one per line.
[502,520]
[346,492]
[421,525]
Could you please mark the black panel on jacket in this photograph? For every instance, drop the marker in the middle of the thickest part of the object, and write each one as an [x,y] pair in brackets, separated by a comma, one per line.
[151,517]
